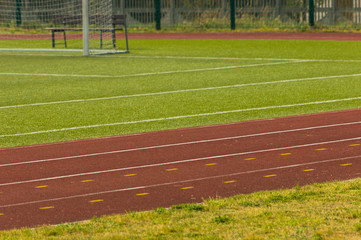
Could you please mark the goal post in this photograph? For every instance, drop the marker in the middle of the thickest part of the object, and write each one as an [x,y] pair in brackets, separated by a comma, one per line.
[87,26]
[85,19]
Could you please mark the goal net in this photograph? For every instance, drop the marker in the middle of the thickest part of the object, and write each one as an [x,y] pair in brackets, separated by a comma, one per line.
[60,25]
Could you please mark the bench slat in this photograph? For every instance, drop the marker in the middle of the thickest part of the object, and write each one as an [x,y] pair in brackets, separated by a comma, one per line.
[80,29]
[116,19]
[67,20]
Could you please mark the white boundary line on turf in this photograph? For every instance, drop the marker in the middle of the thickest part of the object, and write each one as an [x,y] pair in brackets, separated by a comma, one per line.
[241,59]
[187,57]
[179,117]
[179,144]
[178,91]
[161,57]
[149,74]
[182,181]
[211,58]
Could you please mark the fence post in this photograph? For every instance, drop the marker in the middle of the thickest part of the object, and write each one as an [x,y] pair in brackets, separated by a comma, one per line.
[232,7]
[311,13]
[224,8]
[123,7]
[157,14]
[18,13]
[278,8]
[334,12]
[172,14]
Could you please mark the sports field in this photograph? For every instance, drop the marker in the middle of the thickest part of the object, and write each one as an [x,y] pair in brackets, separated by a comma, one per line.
[168,84]
[174,84]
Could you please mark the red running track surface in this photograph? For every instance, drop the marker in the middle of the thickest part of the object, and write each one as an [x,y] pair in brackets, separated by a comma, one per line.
[72,181]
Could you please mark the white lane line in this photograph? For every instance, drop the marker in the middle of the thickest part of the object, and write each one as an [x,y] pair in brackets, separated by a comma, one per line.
[149,74]
[179,91]
[178,162]
[179,182]
[180,144]
[179,117]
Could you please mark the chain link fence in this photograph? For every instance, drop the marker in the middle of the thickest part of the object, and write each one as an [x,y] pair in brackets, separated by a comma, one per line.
[248,13]
[215,14]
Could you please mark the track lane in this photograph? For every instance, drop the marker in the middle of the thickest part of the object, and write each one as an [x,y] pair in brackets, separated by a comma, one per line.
[195,152]
[240,173]
[185,152]
[141,198]
[176,172]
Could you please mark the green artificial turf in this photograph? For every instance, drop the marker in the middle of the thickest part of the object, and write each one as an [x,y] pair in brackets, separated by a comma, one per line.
[168,84]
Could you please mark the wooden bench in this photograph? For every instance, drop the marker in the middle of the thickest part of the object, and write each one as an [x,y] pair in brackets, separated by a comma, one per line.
[74,23]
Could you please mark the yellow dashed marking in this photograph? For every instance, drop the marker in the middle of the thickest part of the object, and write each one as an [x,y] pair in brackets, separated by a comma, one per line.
[272,175]
[285,154]
[1,214]
[308,170]
[85,181]
[130,175]
[44,208]
[232,181]
[354,145]
[247,159]
[184,188]
[142,194]
[321,149]
[211,164]
[97,200]
[345,164]
[172,169]
[44,186]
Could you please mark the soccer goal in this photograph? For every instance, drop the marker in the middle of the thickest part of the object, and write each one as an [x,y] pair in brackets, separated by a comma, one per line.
[62,25]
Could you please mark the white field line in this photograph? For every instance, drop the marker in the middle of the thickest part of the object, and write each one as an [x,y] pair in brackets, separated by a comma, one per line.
[180,91]
[162,57]
[180,182]
[241,59]
[187,57]
[210,58]
[179,117]
[149,74]
[179,144]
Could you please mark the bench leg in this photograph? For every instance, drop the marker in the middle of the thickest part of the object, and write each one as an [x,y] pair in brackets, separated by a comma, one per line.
[53,38]
[113,37]
[126,37]
[101,39]
[65,40]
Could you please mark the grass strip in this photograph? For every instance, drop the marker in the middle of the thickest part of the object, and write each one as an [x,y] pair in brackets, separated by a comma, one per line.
[319,211]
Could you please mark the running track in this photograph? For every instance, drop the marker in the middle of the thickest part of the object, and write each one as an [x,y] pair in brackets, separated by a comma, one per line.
[72,181]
